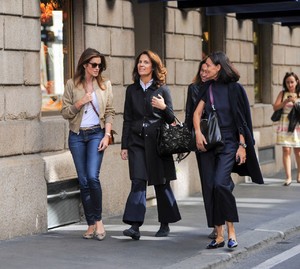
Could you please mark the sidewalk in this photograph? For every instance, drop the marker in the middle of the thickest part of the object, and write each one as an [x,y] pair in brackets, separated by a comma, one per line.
[267,213]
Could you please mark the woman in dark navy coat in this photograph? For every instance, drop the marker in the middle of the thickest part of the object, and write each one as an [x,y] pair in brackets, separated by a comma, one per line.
[148,104]
[237,155]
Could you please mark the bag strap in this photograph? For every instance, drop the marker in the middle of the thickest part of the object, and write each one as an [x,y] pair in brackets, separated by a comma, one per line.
[94,108]
[211,97]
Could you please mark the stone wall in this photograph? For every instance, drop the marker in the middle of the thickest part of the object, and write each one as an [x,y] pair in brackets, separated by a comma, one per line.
[33,149]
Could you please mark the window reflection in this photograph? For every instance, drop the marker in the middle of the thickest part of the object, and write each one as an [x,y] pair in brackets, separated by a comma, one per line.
[53,53]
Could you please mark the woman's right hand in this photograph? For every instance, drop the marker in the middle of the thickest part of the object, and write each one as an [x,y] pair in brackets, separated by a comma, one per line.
[124,154]
[84,100]
[200,141]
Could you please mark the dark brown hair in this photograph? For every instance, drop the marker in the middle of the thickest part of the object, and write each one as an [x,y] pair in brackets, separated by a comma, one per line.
[291,74]
[85,58]
[197,79]
[228,73]
[159,70]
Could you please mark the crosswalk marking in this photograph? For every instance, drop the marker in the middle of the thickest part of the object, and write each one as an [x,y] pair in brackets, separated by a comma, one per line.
[270,263]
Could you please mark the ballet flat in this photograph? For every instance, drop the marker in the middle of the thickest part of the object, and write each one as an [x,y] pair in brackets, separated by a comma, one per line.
[232,243]
[88,236]
[287,183]
[213,244]
[100,236]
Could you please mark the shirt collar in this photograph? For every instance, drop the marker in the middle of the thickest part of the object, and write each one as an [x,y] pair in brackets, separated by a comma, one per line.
[145,87]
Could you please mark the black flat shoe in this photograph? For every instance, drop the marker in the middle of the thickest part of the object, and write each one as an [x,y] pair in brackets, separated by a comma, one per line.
[163,232]
[232,243]
[135,235]
[214,244]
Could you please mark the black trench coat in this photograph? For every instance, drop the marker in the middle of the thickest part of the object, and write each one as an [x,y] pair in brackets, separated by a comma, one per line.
[144,161]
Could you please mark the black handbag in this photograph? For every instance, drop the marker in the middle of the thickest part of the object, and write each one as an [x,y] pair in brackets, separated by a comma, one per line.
[173,139]
[210,129]
[277,114]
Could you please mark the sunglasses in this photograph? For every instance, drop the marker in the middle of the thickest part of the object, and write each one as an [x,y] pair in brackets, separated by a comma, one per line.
[94,65]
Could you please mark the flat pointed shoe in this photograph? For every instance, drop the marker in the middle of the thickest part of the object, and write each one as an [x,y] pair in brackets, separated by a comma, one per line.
[213,244]
[100,236]
[287,183]
[232,243]
[88,236]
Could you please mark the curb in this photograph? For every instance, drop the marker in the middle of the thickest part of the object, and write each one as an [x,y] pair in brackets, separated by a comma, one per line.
[252,241]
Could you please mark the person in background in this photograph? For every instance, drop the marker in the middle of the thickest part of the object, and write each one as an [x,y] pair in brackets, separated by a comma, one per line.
[288,138]
[237,155]
[88,106]
[148,104]
[195,92]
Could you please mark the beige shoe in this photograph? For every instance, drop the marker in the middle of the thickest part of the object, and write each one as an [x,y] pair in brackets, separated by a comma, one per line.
[88,236]
[100,236]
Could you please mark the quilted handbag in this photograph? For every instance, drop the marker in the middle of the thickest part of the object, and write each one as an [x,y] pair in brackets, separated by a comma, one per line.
[173,139]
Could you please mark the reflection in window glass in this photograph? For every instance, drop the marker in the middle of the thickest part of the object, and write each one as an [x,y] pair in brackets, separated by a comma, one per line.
[54,52]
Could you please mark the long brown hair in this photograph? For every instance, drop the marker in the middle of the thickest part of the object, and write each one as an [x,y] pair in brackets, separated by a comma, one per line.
[159,71]
[85,57]
[197,79]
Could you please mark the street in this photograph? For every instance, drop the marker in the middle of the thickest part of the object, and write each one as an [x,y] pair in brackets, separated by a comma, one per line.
[281,255]
[268,214]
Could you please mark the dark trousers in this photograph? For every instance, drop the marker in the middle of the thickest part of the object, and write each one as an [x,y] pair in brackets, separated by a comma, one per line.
[217,184]
[135,208]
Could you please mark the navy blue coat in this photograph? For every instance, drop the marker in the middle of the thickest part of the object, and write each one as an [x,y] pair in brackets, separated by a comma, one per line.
[242,117]
[241,112]
[144,161]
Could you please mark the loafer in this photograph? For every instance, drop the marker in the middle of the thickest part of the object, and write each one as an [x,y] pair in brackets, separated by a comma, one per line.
[132,233]
[100,236]
[232,243]
[214,244]
[163,232]
[212,235]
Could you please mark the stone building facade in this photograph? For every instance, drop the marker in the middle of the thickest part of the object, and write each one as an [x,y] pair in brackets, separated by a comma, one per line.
[33,147]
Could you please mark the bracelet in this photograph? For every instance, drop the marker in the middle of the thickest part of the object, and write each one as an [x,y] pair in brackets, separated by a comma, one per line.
[108,134]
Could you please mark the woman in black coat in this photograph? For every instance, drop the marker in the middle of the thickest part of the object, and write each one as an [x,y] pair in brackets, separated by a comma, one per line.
[148,104]
[238,155]
[196,90]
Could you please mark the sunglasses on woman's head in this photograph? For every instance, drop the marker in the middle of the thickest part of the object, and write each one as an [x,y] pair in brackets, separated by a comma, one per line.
[94,65]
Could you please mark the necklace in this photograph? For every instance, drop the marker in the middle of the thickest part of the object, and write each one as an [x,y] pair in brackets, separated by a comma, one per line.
[88,104]
[86,107]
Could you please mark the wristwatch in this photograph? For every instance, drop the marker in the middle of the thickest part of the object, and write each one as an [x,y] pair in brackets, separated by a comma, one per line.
[243,145]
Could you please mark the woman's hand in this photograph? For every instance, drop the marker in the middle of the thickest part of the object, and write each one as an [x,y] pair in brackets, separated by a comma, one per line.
[158,102]
[200,141]
[240,155]
[103,143]
[124,154]
[84,100]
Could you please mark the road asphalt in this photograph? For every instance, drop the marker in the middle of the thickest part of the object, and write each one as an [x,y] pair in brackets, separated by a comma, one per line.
[267,214]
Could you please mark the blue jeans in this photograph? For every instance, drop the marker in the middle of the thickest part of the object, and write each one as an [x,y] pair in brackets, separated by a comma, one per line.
[87,160]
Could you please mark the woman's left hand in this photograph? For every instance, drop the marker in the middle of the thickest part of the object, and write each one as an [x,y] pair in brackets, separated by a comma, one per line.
[103,143]
[240,155]
[158,102]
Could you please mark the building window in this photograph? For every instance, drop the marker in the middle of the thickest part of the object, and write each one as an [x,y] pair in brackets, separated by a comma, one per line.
[56,52]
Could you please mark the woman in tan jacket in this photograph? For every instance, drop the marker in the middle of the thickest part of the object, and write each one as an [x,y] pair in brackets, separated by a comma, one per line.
[87,105]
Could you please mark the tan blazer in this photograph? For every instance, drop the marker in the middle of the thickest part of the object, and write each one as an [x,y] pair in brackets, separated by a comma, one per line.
[72,94]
